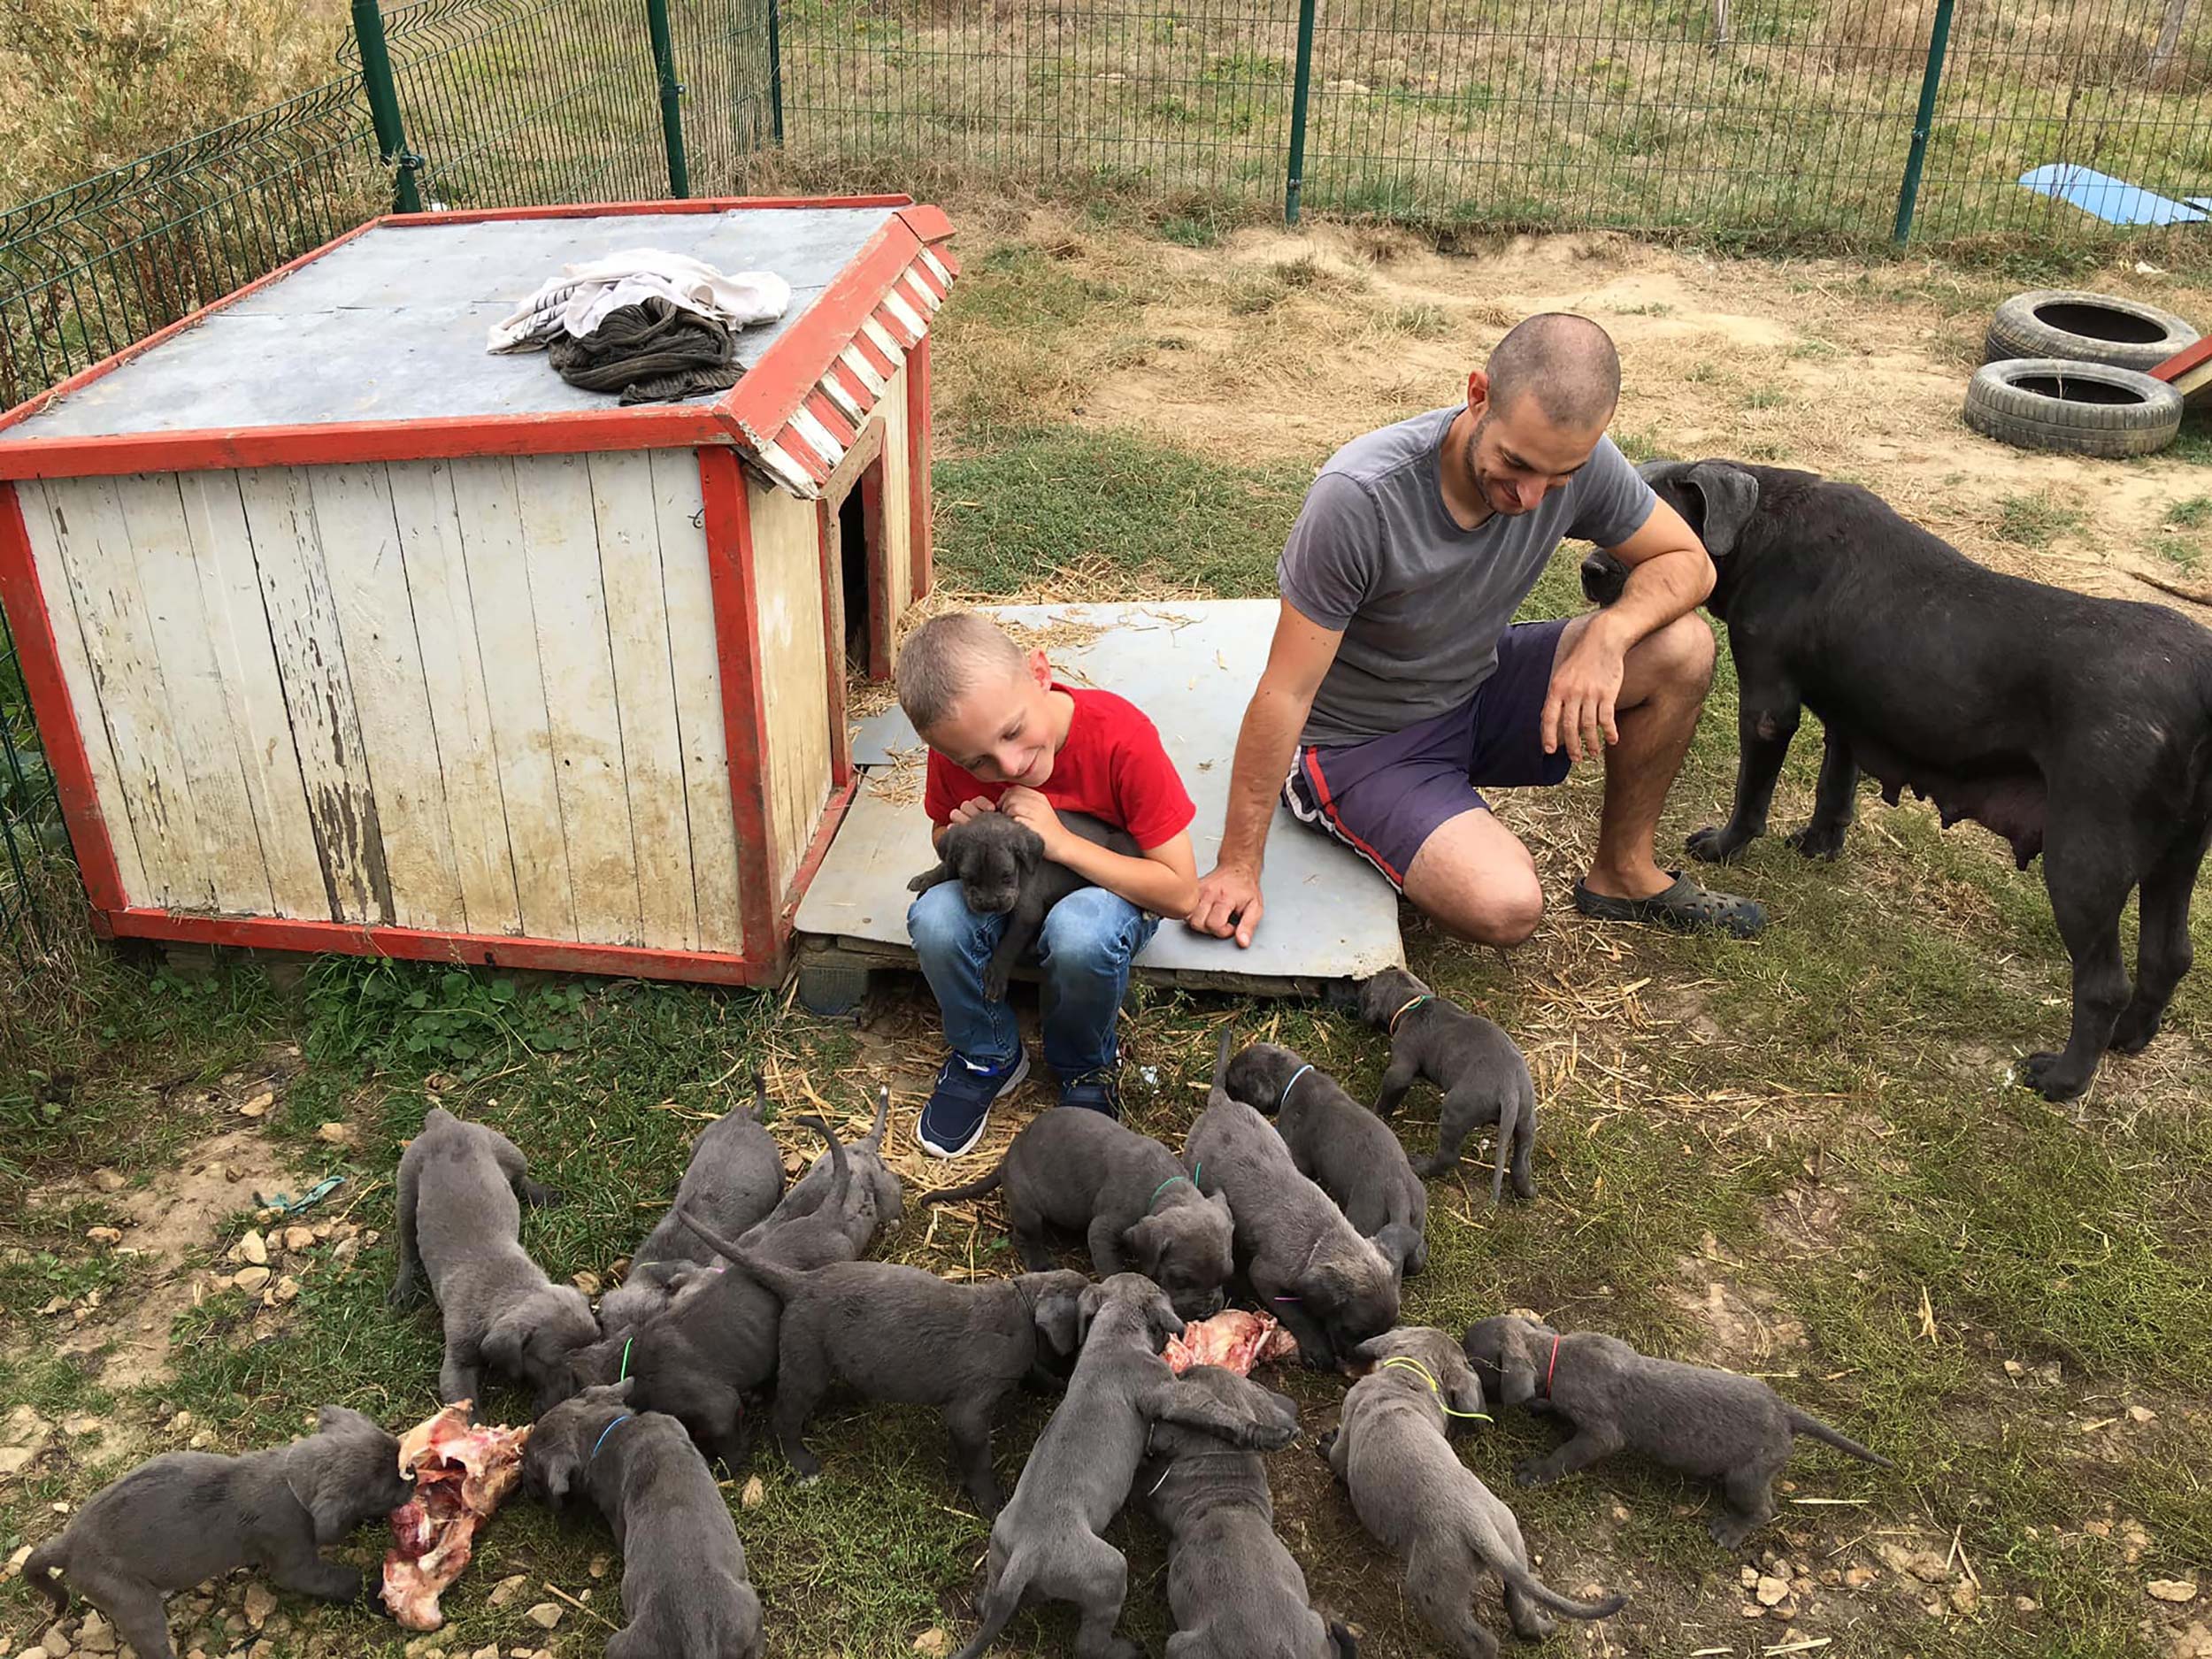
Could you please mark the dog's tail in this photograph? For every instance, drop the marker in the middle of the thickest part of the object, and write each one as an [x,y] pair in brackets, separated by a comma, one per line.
[841,1167]
[787,1284]
[1516,1122]
[973,1189]
[760,1098]
[1220,1092]
[874,1143]
[38,1569]
[1000,1603]
[1534,1587]
[1340,1639]
[1803,1424]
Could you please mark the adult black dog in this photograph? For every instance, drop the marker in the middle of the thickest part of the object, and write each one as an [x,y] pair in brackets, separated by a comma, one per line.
[2077,727]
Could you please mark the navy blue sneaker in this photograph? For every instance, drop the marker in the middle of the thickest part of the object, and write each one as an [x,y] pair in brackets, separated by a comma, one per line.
[960,1106]
[1093,1091]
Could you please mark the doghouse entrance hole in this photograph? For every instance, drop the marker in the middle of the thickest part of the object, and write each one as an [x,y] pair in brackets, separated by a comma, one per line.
[852,567]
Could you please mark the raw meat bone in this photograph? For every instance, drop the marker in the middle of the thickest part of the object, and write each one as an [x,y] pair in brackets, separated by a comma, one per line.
[1232,1339]
[462,1471]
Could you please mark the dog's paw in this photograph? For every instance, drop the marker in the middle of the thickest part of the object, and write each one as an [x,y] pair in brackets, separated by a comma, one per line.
[1528,1472]
[994,985]
[2134,1031]
[1729,1531]
[1817,841]
[2048,1076]
[1714,845]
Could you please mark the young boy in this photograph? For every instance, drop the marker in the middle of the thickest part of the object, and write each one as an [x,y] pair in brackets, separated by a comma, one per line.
[1005,736]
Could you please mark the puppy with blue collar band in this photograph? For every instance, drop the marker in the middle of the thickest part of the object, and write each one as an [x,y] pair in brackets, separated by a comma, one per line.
[1348,1152]
[685,1594]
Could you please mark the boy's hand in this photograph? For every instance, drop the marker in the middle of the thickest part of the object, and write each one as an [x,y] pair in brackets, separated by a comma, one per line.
[1027,807]
[974,807]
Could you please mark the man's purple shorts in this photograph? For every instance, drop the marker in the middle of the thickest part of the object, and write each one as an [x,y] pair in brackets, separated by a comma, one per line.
[1384,797]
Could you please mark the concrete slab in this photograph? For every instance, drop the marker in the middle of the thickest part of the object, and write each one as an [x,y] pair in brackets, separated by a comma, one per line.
[1191,668]
[391,326]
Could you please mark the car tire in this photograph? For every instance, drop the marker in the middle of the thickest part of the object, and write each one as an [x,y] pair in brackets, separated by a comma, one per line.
[2081,408]
[2084,327]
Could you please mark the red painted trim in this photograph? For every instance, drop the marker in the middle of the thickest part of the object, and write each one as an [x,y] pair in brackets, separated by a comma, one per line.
[928,223]
[2188,357]
[730,576]
[107,365]
[818,848]
[819,406]
[892,325]
[854,388]
[410,944]
[815,466]
[879,617]
[40,659]
[759,406]
[874,356]
[928,278]
[688,205]
[919,504]
[831,546]
[333,442]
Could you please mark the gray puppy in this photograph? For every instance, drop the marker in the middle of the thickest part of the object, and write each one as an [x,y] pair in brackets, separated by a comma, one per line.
[1417,1499]
[458,1219]
[874,1202]
[183,1517]
[716,1342]
[1046,1539]
[1235,1591]
[1082,1171]
[1714,1425]
[734,1178]
[1483,1075]
[684,1591]
[899,1333]
[1304,1260]
[1003,870]
[1354,1155]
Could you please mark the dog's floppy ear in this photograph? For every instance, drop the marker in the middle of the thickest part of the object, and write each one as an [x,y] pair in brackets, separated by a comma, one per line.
[1144,1241]
[344,1419]
[551,1463]
[1732,495]
[1161,1319]
[1516,1362]
[1060,1317]
[503,1341]
[1461,1389]
[1087,1306]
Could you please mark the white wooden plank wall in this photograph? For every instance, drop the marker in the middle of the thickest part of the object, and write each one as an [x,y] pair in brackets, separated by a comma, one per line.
[898,503]
[679,510]
[478,696]
[787,580]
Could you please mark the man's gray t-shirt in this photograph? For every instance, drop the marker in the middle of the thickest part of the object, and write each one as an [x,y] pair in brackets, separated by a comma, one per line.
[1422,603]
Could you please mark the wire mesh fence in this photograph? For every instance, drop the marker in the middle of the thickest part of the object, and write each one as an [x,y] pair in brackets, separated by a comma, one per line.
[1781,120]
[31,834]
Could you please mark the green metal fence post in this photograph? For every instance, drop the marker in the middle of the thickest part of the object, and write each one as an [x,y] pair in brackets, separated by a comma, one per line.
[1930,81]
[671,97]
[1300,87]
[775,70]
[376,81]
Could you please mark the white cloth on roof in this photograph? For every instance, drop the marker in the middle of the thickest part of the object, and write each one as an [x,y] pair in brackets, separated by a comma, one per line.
[575,301]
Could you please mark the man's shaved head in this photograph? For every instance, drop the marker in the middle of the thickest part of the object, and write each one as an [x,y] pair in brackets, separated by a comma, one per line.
[1566,363]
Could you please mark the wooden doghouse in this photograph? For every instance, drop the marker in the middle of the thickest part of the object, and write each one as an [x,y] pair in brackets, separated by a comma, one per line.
[345,635]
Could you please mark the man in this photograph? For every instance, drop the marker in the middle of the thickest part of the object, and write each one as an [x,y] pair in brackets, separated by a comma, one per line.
[1397,685]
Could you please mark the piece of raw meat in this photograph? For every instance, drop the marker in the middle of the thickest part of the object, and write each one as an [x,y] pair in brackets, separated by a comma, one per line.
[1232,1339]
[461,1472]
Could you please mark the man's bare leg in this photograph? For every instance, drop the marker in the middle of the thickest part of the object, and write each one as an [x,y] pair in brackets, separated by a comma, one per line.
[1474,878]
[1664,683]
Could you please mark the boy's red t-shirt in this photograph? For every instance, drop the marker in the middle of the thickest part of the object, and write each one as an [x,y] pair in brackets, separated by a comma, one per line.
[1112,766]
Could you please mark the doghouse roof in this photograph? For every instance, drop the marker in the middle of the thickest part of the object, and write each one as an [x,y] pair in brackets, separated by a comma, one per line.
[371,348]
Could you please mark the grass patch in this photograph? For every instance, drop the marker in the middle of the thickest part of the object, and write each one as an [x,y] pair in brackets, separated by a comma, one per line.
[2036,521]
[2195,513]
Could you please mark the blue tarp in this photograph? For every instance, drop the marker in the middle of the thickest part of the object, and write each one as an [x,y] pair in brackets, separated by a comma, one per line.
[2115,201]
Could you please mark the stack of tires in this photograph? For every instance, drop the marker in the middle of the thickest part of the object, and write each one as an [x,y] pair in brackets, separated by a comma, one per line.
[2067,370]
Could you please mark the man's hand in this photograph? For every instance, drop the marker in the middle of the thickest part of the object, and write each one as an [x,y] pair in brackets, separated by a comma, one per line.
[1585,685]
[1026,806]
[1228,901]
[975,806]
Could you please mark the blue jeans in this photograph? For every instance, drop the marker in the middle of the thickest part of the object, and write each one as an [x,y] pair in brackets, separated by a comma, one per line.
[1085,951]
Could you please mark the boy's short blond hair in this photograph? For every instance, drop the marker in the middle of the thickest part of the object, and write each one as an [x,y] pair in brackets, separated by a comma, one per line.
[942,659]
